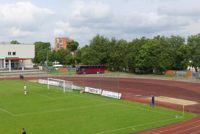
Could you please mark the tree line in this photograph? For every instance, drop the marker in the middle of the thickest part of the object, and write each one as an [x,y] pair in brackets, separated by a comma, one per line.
[44,55]
[141,55]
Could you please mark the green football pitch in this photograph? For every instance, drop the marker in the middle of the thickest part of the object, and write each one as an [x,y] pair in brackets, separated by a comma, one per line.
[50,111]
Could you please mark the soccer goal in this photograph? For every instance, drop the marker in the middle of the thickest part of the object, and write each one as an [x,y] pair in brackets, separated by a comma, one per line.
[65,85]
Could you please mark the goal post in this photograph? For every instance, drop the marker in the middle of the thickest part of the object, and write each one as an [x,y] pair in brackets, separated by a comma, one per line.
[65,85]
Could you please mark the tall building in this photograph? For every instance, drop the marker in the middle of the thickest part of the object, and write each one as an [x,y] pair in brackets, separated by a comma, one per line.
[61,42]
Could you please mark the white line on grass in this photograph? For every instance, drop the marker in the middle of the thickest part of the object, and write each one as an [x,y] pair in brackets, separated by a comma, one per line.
[134,127]
[79,95]
[59,110]
[64,97]
[46,96]
[6,111]
[136,107]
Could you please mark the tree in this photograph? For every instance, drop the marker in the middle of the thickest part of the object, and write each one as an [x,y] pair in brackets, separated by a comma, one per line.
[133,51]
[145,59]
[89,56]
[141,55]
[72,46]
[177,51]
[42,49]
[194,46]
[117,53]
[14,42]
[99,44]
[164,60]
[78,56]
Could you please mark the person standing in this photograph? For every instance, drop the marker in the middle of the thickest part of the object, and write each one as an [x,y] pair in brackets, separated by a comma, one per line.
[25,89]
[23,131]
[153,101]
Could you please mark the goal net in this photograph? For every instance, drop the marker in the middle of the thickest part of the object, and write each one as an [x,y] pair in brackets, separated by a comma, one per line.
[64,85]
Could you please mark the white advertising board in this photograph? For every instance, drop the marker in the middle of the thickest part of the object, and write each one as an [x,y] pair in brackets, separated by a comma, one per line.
[93,90]
[41,81]
[111,94]
[77,87]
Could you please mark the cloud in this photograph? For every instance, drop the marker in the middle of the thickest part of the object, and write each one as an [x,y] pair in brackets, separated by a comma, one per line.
[180,12]
[61,28]
[182,9]
[22,19]
[93,11]
[193,27]
[17,32]
[83,19]
[22,12]
[86,20]
[151,22]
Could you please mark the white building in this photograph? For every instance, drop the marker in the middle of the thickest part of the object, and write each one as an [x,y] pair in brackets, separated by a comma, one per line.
[16,56]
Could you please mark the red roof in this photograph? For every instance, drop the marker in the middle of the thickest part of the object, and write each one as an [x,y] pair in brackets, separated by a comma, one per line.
[16,58]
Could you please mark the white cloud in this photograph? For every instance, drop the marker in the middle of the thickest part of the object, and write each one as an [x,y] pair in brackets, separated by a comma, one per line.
[62,28]
[193,27]
[90,11]
[82,19]
[181,9]
[22,12]
[17,32]
[22,19]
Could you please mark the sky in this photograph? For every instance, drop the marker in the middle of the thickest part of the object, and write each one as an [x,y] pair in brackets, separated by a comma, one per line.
[29,21]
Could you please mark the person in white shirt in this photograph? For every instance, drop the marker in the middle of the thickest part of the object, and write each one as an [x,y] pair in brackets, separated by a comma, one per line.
[25,89]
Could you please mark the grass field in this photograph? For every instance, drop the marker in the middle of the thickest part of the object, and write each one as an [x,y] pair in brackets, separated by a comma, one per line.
[51,111]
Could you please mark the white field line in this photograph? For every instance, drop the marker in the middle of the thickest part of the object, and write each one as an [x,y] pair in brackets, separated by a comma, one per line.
[59,98]
[136,107]
[134,127]
[131,106]
[46,96]
[184,130]
[59,110]
[54,98]
[173,117]
[178,127]
[6,111]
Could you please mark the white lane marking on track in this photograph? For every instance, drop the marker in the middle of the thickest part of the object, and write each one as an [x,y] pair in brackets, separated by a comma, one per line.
[177,127]
[130,127]
[184,130]
[197,132]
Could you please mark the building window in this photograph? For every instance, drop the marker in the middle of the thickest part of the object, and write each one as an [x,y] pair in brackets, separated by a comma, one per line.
[14,53]
[9,53]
